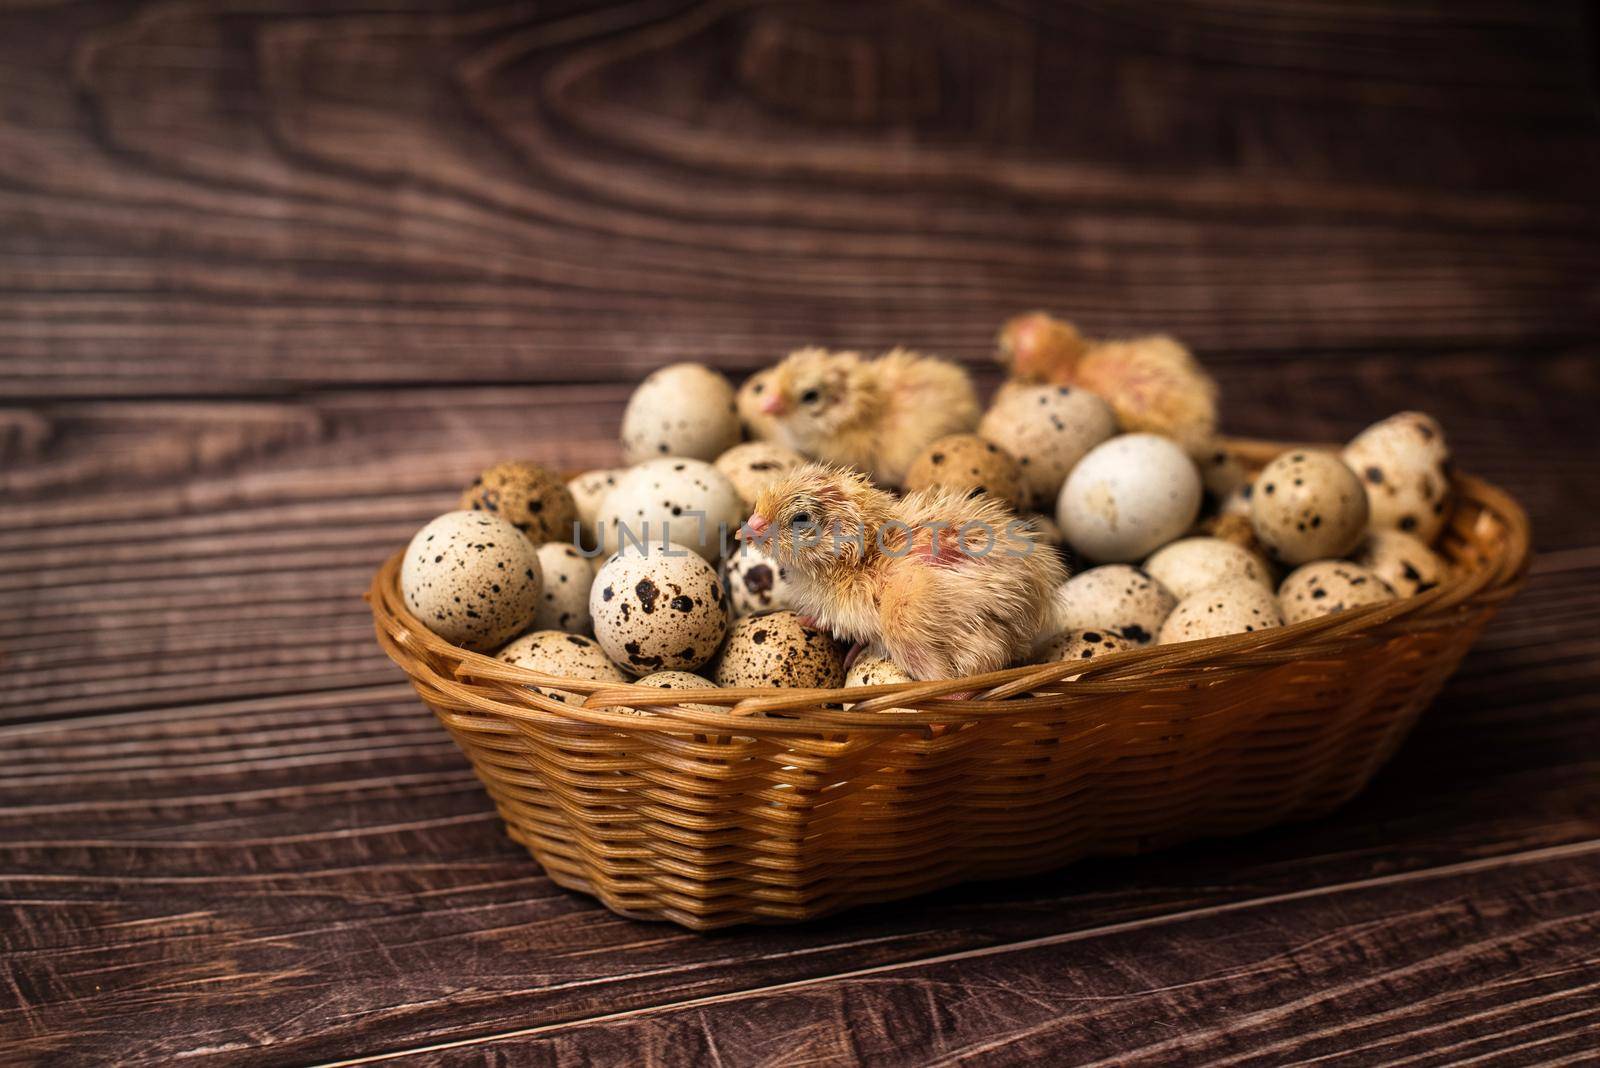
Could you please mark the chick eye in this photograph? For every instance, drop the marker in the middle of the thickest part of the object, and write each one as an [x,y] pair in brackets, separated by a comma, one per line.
[810,396]
[802,519]
[757,388]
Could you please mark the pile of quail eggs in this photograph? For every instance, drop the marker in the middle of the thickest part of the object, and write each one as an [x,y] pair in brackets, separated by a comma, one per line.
[1169,547]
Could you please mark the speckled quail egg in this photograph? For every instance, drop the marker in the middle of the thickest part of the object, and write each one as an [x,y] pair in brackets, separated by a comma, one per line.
[1129,496]
[684,501]
[1236,607]
[564,604]
[532,498]
[875,671]
[662,609]
[777,649]
[472,578]
[1404,463]
[1048,429]
[684,409]
[679,680]
[1307,505]
[1402,561]
[588,490]
[754,465]
[753,393]
[968,464]
[1083,645]
[1117,598]
[1324,587]
[1191,564]
[755,583]
[555,652]
[1221,472]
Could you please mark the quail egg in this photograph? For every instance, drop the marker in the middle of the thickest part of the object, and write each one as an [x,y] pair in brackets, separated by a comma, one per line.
[1324,587]
[754,465]
[777,649]
[564,605]
[555,652]
[531,498]
[875,671]
[1307,505]
[1048,429]
[588,490]
[688,502]
[1402,561]
[1083,645]
[1191,564]
[1117,598]
[685,409]
[678,680]
[1238,606]
[970,465]
[1404,463]
[754,583]
[661,609]
[1129,496]
[472,578]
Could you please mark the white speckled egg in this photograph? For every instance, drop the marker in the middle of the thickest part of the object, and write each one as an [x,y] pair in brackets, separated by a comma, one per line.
[688,502]
[472,578]
[1404,463]
[1236,607]
[684,409]
[1191,564]
[556,652]
[660,610]
[875,671]
[678,680]
[1116,597]
[1084,645]
[754,465]
[755,583]
[588,490]
[1129,496]
[1307,505]
[777,649]
[564,604]
[1402,561]
[1324,587]
[1048,429]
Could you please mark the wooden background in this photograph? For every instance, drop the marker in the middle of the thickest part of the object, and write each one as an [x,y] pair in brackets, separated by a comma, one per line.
[277,277]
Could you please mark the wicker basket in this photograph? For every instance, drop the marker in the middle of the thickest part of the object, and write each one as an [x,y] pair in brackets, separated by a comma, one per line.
[760,806]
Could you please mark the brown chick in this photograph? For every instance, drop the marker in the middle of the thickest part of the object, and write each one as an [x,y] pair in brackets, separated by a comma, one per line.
[871,415]
[1152,383]
[944,585]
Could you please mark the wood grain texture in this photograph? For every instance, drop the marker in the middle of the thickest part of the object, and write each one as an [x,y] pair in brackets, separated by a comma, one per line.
[205,199]
[275,280]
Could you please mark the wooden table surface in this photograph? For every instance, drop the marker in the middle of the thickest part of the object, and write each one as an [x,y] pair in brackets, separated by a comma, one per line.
[277,278]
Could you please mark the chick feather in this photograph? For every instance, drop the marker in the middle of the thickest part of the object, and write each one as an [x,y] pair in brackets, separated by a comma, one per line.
[873,415]
[1152,383]
[943,584]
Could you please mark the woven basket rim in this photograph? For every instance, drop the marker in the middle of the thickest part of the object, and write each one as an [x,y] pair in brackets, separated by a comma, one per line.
[487,685]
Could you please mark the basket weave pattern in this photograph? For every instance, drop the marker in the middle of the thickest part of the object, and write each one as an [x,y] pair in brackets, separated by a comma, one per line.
[738,806]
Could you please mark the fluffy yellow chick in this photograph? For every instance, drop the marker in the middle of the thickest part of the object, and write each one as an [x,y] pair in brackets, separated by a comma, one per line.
[871,415]
[944,585]
[1152,383]
[758,426]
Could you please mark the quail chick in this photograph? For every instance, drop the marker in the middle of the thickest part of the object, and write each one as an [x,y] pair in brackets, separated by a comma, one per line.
[1152,383]
[943,584]
[871,415]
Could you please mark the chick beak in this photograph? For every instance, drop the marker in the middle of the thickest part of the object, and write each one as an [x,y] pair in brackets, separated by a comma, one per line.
[754,527]
[774,405]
